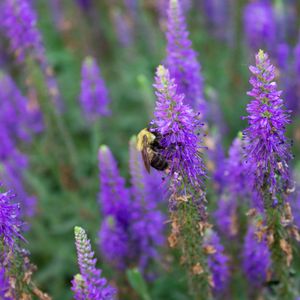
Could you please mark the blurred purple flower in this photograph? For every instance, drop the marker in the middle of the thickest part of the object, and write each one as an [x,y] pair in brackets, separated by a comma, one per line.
[94,95]
[114,197]
[297,57]
[236,173]
[293,92]
[19,23]
[286,19]
[226,216]
[217,15]
[256,258]
[18,122]
[260,25]
[4,285]
[17,117]
[217,263]
[288,68]
[216,163]
[114,242]
[132,7]
[266,147]
[147,221]
[57,13]
[182,61]
[123,28]
[179,127]
[10,224]
[132,229]
[216,115]
[283,51]
[84,4]
[115,203]
[89,284]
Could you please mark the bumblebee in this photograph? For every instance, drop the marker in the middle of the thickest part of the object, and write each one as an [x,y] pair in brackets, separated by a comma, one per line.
[149,145]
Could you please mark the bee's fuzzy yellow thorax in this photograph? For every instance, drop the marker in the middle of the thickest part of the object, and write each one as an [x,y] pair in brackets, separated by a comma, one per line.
[140,138]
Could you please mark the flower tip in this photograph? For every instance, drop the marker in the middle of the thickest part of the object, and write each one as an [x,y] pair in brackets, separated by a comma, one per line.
[174,2]
[240,135]
[88,60]
[161,71]
[103,148]
[261,55]
[78,230]
[78,277]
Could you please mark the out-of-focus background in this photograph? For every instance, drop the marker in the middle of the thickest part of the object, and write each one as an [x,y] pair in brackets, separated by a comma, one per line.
[127,39]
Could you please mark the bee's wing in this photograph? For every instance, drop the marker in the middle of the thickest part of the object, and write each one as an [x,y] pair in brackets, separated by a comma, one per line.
[145,154]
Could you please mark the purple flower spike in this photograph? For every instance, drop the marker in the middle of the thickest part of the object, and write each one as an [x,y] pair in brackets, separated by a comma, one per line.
[226,216]
[114,199]
[259,25]
[256,258]
[162,6]
[132,229]
[10,224]
[179,127]
[267,149]
[19,23]
[236,174]
[89,284]
[182,61]
[147,221]
[17,117]
[218,16]
[297,57]
[94,95]
[218,263]
[123,28]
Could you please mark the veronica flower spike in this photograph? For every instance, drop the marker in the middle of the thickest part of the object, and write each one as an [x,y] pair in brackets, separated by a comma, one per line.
[10,224]
[89,284]
[94,95]
[178,125]
[260,25]
[181,59]
[267,149]
[268,154]
[19,23]
[256,258]
[115,202]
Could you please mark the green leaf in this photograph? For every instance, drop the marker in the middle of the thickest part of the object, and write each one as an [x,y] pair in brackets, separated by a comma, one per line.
[138,283]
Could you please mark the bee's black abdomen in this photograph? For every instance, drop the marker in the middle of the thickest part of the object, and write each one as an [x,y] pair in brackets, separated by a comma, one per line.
[158,162]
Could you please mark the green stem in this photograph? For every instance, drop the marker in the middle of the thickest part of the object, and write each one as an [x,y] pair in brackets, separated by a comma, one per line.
[279,257]
[96,137]
[191,244]
[54,123]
